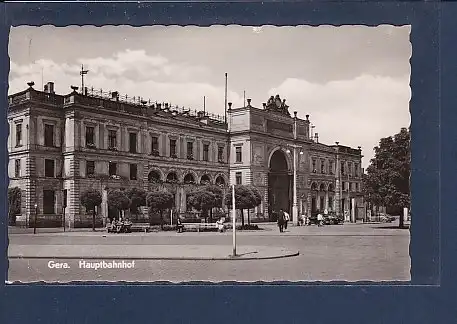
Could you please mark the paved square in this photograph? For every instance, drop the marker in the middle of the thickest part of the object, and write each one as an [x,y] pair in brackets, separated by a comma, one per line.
[350,252]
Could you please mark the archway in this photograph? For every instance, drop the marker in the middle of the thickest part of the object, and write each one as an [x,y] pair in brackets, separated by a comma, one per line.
[279,182]
[189,179]
[154,176]
[322,206]
[313,199]
[172,177]
[205,179]
[220,181]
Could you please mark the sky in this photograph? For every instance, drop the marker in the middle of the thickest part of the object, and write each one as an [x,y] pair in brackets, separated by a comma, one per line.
[353,81]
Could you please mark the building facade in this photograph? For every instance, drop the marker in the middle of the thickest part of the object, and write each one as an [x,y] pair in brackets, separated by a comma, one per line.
[61,145]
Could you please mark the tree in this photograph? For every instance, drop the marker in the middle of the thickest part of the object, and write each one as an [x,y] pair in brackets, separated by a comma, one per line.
[137,199]
[159,200]
[386,181]
[14,204]
[118,200]
[256,199]
[245,198]
[205,199]
[90,199]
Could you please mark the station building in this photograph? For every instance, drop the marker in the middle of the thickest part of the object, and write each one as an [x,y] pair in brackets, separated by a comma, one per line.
[61,145]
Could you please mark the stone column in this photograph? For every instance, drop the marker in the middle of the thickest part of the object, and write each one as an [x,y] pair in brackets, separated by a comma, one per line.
[326,200]
[308,204]
[353,210]
[104,206]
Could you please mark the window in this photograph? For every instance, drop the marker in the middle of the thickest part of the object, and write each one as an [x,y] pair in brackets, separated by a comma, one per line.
[330,167]
[330,203]
[155,145]
[350,168]
[112,139]
[49,135]
[343,185]
[205,152]
[322,166]
[90,168]
[132,142]
[90,134]
[357,187]
[238,155]
[133,171]
[356,169]
[49,168]
[112,168]
[321,203]
[17,168]
[220,153]
[342,168]
[49,200]
[173,148]
[18,134]
[190,150]
[314,166]
[238,179]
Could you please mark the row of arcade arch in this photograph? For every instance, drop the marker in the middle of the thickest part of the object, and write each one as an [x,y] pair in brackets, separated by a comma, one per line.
[157,176]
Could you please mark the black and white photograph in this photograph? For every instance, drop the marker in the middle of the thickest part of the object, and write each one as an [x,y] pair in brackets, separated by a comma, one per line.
[209,154]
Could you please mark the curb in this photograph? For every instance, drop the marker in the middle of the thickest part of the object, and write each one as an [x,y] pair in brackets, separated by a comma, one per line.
[228,258]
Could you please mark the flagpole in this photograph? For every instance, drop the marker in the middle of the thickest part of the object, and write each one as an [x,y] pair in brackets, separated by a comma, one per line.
[234,220]
[225,106]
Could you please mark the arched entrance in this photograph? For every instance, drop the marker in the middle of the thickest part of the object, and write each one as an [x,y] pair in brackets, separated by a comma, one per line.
[279,182]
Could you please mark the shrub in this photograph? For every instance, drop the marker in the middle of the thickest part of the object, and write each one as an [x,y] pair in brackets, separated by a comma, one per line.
[14,203]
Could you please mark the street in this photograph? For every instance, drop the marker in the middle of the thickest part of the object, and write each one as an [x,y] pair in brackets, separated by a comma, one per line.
[350,252]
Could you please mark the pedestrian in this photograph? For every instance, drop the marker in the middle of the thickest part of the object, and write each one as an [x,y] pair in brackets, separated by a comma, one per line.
[320,219]
[281,220]
[286,219]
[179,225]
[220,224]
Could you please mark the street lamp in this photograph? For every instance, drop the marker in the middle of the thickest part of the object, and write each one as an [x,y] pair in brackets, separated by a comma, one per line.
[34,222]
[294,147]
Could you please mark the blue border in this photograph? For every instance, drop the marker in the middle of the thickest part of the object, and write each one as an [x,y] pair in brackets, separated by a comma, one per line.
[432,32]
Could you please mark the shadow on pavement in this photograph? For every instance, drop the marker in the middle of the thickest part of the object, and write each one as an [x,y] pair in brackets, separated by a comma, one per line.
[405,227]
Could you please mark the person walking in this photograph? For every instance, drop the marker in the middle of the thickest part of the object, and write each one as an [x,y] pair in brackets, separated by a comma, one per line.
[281,220]
[286,219]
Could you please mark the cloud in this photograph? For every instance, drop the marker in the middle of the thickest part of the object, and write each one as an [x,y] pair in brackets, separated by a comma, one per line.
[134,73]
[356,112]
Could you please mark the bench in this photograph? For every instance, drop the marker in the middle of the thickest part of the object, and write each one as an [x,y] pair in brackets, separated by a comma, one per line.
[140,227]
[198,226]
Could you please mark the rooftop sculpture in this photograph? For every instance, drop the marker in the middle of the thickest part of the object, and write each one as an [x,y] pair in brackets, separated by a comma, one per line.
[275,104]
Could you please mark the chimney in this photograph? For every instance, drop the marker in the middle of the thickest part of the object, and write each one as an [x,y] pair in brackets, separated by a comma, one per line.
[86,91]
[49,87]
[249,102]
[159,105]
[264,105]
[166,105]
[307,117]
[230,106]
[295,114]
[115,95]
[316,137]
